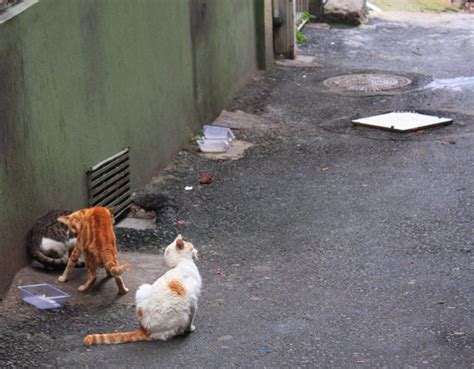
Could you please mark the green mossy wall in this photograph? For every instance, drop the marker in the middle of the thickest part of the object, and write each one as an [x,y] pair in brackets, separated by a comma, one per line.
[82,79]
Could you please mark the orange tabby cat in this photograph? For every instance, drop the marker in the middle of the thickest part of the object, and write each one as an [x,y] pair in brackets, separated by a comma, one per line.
[96,242]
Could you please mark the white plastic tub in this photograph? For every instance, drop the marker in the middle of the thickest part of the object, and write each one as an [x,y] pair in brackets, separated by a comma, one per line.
[211,145]
[43,296]
[218,133]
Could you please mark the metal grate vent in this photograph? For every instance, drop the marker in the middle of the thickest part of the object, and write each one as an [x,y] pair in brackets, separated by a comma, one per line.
[109,183]
[6,3]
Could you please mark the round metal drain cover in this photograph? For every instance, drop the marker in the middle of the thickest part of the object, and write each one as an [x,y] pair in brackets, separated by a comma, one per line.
[367,83]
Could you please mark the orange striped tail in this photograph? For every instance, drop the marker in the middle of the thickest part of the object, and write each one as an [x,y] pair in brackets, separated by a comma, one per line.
[140,334]
[115,269]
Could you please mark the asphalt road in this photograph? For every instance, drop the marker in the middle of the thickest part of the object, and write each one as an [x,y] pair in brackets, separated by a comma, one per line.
[327,245]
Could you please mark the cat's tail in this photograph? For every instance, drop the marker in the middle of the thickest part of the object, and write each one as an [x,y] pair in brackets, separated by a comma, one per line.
[140,334]
[48,261]
[116,270]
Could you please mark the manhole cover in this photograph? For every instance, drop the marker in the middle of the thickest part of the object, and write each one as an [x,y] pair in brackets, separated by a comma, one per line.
[367,82]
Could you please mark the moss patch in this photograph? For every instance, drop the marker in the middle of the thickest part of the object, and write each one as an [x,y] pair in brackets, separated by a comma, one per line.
[414,5]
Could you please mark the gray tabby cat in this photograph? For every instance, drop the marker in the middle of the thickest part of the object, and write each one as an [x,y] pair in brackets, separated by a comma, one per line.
[49,242]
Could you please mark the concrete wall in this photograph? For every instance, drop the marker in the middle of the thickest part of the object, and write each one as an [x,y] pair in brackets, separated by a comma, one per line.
[81,79]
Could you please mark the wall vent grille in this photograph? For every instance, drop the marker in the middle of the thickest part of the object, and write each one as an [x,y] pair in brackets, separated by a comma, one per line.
[7,3]
[109,183]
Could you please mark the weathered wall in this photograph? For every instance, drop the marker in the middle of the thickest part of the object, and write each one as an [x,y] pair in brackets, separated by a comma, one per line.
[81,79]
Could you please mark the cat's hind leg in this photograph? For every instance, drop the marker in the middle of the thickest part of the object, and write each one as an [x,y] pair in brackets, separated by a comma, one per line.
[71,244]
[121,286]
[91,277]
[75,254]
[191,327]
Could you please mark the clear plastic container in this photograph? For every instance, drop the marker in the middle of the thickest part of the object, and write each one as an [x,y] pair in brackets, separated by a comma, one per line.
[213,145]
[43,296]
[218,133]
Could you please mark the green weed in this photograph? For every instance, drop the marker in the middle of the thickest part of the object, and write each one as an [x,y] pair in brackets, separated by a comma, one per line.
[300,37]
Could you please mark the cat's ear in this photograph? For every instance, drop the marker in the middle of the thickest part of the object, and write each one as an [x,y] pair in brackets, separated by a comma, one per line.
[179,244]
[179,237]
[63,219]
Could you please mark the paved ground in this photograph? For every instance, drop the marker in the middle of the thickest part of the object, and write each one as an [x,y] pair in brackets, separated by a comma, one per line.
[326,245]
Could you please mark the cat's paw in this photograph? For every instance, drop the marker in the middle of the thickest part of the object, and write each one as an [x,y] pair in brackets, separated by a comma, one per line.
[123,291]
[82,288]
[192,328]
[62,279]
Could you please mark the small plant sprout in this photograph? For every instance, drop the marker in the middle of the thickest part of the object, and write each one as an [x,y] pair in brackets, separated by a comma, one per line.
[307,16]
[196,138]
[300,37]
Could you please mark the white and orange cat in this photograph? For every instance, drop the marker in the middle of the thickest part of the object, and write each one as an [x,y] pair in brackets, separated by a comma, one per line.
[96,242]
[167,307]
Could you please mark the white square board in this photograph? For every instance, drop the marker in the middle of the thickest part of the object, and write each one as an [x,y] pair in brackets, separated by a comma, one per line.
[402,121]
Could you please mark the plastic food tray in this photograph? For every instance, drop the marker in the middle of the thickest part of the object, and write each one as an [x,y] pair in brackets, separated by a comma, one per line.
[43,296]
[218,133]
[213,145]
